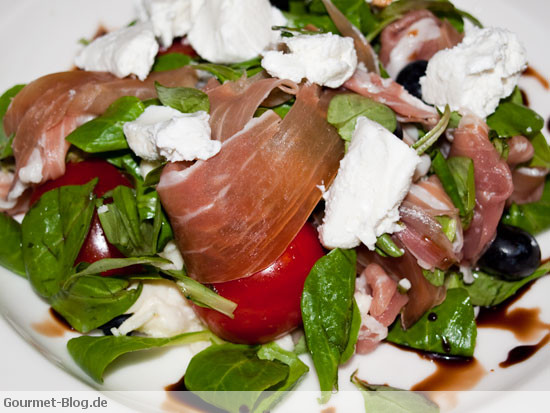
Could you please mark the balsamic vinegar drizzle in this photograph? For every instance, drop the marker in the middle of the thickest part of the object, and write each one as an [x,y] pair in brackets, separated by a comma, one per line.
[182,400]
[53,326]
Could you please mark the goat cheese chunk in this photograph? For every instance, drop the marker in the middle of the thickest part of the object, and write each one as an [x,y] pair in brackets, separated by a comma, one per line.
[232,31]
[160,311]
[326,59]
[162,132]
[127,51]
[474,75]
[170,18]
[373,179]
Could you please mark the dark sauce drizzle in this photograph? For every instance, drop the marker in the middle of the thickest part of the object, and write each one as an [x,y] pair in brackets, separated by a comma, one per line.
[181,399]
[53,326]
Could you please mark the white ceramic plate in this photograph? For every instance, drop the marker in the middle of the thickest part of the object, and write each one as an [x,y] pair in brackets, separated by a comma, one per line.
[41,37]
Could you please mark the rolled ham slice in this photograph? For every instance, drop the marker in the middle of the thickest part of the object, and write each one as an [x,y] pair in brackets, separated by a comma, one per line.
[51,107]
[235,213]
[392,94]
[493,181]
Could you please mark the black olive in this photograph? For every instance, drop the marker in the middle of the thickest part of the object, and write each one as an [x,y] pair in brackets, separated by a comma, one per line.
[280,4]
[114,323]
[513,254]
[410,75]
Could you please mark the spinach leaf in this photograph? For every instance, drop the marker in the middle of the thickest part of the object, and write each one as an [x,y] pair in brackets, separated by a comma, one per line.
[94,354]
[104,133]
[52,233]
[231,375]
[128,162]
[533,217]
[89,301]
[349,351]
[107,264]
[357,12]
[221,72]
[453,332]
[344,110]
[381,399]
[11,254]
[153,177]
[300,19]
[327,312]
[511,119]
[184,99]
[201,295]
[542,151]
[171,61]
[488,290]
[126,227]
[457,177]
[297,369]
[5,100]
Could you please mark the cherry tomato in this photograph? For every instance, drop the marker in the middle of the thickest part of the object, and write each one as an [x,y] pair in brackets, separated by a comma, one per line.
[268,302]
[179,46]
[95,246]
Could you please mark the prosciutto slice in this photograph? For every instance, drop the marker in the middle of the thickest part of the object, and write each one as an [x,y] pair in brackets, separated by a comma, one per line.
[233,104]
[51,107]
[422,295]
[235,213]
[416,36]
[377,291]
[528,185]
[393,95]
[493,181]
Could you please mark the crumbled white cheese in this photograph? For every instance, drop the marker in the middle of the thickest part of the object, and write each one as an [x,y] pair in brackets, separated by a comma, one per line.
[160,311]
[172,253]
[474,75]
[405,284]
[146,166]
[418,34]
[232,31]
[126,51]
[32,171]
[170,18]
[373,178]
[162,132]
[369,325]
[326,59]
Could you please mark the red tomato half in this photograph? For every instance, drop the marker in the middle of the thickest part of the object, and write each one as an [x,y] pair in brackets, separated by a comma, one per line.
[95,246]
[268,302]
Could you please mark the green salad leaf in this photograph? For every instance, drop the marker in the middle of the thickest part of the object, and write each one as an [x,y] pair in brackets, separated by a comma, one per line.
[184,99]
[89,301]
[171,61]
[105,133]
[457,177]
[452,331]
[5,100]
[107,264]
[221,72]
[435,277]
[489,290]
[52,233]
[327,313]
[533,217]
[386,399]
[344,109]
[11,253]
[511,119]
[230,376]
[95,354]
[200,294]
[542,151]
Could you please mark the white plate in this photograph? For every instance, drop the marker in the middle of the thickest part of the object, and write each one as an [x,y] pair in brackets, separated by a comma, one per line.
[41,37]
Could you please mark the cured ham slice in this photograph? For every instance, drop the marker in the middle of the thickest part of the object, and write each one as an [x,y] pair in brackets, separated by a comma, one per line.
[528,185]
[51,107]
[233,104]
[416,36]
[235,213]
[423,235]
[379,302]
[493,181]
[422,295]
[520,150]
[393,95]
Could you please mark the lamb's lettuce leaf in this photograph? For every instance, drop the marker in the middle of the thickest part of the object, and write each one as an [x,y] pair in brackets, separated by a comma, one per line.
[327,313]
[184,99]
[105,133]
[11,253]
[452,331]
[171,61]
[533,217]
[95,354]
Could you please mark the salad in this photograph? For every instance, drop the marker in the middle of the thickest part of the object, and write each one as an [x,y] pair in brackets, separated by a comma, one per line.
[440,244]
